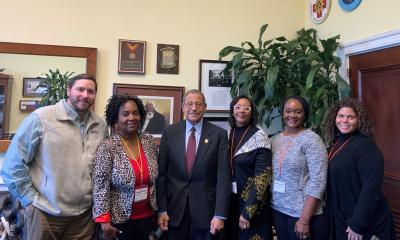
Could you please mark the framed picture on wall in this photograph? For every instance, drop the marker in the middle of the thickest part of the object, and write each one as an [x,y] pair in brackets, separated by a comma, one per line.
[215,85]
[31,89]
[167,58]
[28,105]
[221,122]
[162,103]
[131,56]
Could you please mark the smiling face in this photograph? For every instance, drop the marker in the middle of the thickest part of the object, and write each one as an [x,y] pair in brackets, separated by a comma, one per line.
[194,107]
[346,120]
[128,119]
[82,95]
[242,112]
[293,114]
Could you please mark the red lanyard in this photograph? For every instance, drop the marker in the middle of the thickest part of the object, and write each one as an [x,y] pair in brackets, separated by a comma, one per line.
[237,146]
[333,153]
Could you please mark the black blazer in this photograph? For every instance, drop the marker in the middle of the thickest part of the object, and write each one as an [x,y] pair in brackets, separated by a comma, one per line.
[208,186]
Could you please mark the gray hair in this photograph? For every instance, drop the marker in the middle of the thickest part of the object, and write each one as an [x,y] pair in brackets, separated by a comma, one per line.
[194,91]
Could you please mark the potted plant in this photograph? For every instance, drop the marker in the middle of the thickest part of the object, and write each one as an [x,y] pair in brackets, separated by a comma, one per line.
[271,70]
[56,86]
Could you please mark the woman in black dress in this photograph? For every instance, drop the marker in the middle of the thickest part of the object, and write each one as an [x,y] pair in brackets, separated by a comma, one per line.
[250,158]
[356,206]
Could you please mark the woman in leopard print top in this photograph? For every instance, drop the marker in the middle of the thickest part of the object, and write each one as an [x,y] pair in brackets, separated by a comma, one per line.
[125,173]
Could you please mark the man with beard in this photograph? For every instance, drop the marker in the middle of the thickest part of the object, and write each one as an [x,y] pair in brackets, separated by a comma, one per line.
[49,163]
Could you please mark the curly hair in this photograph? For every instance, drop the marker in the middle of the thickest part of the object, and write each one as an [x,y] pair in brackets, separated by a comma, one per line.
[114,104]
[254,113]
[364,123]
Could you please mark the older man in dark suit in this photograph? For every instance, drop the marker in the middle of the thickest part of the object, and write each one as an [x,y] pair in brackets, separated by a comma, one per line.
[193,186]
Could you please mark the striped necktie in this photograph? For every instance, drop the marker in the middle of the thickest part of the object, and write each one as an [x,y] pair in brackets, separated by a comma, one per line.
[190,151]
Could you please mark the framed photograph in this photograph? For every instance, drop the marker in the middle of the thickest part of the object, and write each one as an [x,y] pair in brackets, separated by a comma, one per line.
[162,103]
[221,122]
[30,87]
[215,85]
[28,105]
[131,56]
[167,58]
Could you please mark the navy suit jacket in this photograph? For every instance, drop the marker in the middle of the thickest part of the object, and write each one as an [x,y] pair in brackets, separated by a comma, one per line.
[207,187]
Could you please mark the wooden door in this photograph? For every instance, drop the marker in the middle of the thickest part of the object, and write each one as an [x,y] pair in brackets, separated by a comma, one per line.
[375,80]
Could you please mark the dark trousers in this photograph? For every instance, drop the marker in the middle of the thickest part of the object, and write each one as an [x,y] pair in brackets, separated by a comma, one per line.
[284,226]
[231,229]
[138,229]
[186,231]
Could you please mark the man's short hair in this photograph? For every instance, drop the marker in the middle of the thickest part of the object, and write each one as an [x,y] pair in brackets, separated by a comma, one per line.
[194,91]
[81,76]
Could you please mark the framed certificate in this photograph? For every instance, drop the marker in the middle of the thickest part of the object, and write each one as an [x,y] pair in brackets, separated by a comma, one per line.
[131,56]
[167,58]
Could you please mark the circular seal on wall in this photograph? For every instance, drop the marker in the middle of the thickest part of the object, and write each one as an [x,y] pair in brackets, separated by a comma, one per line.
[319,10]
[349,5]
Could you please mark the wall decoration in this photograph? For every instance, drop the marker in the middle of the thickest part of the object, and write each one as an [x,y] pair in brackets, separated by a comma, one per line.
[167,58]
[30,87]
[131,56]
[221,122]
[163,104]
[215,85]
[319,10]
[28,105]
[349,5]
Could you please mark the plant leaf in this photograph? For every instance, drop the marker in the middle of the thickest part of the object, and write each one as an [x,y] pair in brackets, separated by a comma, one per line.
[262,30]
[311,75]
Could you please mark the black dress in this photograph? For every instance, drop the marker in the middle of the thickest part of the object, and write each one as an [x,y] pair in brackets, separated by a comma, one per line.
[354,196]
[251,164]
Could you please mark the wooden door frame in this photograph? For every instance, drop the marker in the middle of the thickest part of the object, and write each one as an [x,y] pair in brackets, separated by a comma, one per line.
[369,44]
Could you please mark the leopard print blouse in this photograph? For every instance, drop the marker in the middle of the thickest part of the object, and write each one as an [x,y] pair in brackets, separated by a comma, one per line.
[114,178]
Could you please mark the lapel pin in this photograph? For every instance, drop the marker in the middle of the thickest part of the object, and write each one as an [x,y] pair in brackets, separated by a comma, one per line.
[206,140]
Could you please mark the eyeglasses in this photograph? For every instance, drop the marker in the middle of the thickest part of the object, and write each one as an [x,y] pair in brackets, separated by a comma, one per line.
[244,108]
[196,104]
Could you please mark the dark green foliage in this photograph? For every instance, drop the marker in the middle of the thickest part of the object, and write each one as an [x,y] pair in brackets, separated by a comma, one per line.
[279,67]
[56,84]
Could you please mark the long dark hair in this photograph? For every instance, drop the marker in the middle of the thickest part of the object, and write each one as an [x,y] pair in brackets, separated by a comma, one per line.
[364,123]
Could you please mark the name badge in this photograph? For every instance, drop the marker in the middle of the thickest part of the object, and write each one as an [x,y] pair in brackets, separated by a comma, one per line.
[234,187]
[141,193]
[279,186]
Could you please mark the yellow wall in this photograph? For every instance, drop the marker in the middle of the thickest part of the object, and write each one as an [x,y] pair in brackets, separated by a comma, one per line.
[370,18]
[201,28]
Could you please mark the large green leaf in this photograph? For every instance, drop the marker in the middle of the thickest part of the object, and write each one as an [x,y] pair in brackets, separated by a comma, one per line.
[262,30]
[228,50]
[311,75]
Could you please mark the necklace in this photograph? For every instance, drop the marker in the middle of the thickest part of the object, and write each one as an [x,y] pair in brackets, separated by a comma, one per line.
[237,146]
[333,153]
[287,146]
[138,163]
